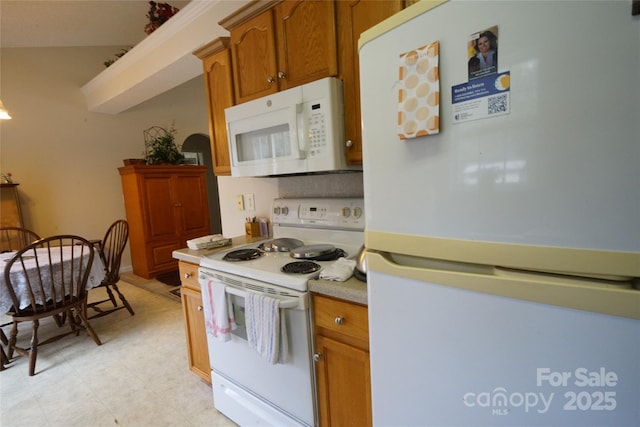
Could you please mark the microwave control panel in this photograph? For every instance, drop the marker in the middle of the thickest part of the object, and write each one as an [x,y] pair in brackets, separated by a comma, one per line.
[317,128]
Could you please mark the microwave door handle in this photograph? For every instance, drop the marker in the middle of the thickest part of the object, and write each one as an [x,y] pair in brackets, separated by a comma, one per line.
[284,303]
[300,132]
[231,145]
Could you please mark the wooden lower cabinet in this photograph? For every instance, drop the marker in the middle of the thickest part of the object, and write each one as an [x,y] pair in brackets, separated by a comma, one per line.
[195,332]
[341,354]
[166,206]
[10,212]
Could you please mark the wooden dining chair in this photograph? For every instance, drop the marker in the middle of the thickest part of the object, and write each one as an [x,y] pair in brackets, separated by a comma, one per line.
[12,239]
[16,238]
[46,279]
[110,250]
[4,359]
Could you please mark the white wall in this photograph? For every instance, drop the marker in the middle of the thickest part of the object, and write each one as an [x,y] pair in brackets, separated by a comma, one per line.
[66,159]
[264,190]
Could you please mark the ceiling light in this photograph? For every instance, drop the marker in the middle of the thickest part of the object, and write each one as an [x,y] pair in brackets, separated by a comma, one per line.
[4,114]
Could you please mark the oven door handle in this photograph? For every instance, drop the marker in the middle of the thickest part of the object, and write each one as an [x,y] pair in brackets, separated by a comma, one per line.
[284,303]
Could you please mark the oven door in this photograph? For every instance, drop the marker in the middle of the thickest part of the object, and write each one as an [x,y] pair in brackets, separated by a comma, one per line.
[247,388]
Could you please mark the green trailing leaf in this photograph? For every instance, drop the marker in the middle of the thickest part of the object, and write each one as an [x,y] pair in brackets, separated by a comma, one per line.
[118,55]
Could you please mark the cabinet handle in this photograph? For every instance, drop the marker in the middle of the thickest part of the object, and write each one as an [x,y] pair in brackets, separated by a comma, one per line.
[281,75]
[187,275]
[349,143]
[317,357]
[178,205]
[270,79]
[339,320]
[200,308]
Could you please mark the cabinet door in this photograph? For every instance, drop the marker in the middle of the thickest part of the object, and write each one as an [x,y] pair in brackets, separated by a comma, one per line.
[219,87]
[344,384]
[159,219]
[354,17]
[253,50]
[166,206]
[195,333]
[190,200]
[159,214]
[306,37]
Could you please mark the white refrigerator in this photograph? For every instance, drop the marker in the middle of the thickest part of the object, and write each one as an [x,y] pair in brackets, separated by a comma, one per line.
[502,202]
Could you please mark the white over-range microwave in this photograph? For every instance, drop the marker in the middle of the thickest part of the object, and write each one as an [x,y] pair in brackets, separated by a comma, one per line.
[295,131]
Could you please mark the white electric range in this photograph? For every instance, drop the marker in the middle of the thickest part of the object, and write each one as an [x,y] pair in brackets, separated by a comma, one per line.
[308,236]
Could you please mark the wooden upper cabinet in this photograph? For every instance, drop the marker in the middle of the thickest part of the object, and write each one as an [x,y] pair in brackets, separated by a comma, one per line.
[218,80]
[280,44]
[253,50]
[354,17]
[290,44]
[306,38]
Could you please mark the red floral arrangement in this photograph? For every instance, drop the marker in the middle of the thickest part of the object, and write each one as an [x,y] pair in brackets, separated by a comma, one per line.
[159,13]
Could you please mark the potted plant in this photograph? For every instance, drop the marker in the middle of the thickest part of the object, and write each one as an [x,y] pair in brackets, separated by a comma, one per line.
[161,147]
[159,13]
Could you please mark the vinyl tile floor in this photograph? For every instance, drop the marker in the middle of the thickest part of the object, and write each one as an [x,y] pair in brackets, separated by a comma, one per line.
[138,377]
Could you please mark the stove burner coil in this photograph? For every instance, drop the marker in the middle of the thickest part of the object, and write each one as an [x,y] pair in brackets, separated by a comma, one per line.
[300,267]
[242,255]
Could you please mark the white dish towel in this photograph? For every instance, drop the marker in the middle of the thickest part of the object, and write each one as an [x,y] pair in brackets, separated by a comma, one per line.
[218,311]
[340,270]
[266,327]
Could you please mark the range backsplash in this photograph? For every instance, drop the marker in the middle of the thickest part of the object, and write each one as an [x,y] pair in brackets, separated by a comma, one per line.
[347,184]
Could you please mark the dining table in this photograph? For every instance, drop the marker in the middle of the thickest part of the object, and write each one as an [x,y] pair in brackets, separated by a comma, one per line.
[42,258]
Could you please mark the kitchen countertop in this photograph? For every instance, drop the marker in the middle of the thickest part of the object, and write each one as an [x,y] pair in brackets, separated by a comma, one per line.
[193,256]
[352,290]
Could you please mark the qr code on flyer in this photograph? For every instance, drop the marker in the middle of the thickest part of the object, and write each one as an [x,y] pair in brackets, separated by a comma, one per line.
[498,104]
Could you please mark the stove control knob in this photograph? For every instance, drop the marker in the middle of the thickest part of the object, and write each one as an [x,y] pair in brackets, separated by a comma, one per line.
[276,210]
[357,212]
[285,210]
[346,212]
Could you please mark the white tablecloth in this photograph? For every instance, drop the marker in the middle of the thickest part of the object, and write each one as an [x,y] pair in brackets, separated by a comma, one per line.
[96,274]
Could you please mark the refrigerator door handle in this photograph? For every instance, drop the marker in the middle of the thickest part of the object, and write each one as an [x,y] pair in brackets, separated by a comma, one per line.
[399,265]
[536,287]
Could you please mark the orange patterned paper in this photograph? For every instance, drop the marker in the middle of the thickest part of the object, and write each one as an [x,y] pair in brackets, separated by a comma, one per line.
[419,93]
